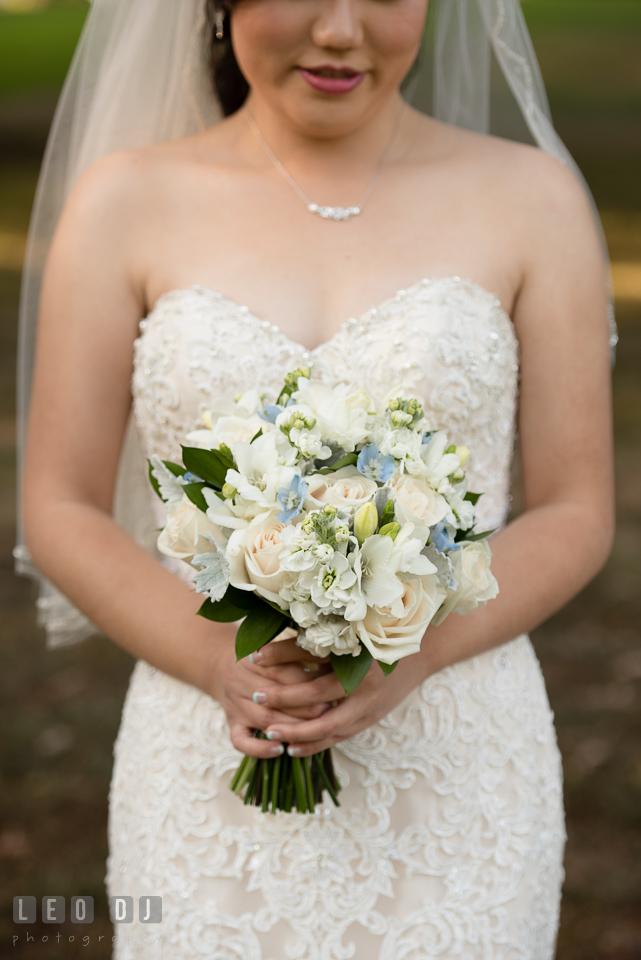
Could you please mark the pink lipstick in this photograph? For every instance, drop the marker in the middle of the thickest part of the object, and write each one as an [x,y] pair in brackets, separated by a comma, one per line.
[330,79]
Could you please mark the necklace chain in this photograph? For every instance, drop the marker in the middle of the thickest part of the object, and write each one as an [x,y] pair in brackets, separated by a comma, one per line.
[327,213]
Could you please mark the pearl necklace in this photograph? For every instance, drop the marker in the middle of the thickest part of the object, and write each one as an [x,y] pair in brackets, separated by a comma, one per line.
[327,213]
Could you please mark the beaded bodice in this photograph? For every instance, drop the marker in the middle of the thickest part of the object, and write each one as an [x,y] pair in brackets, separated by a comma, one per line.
[448,340]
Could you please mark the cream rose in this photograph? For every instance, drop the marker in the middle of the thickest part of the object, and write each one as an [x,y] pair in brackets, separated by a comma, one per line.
[388,637]
[346,488]
[183,534]
[476,582]
[416,502]
[254,555]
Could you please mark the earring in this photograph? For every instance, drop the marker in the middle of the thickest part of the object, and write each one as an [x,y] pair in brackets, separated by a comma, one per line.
[219,20]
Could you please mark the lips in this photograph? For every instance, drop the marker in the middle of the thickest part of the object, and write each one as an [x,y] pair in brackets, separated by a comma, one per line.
[328,78]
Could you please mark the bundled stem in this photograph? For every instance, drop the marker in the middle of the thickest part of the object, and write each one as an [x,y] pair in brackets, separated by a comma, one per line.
[277,784]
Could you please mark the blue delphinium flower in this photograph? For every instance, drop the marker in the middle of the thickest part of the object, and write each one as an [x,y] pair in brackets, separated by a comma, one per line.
[371,463]
[269,412]
[189,478]
[292,500]
[427,437]
[440,537]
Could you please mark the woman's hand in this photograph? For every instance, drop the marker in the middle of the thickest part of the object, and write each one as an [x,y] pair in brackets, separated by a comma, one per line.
[245,688]
[347,716]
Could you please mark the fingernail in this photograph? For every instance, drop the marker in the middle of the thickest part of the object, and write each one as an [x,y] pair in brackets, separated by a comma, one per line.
[277,750]
[256,656]
[259,697]
[294,751]
[273,735]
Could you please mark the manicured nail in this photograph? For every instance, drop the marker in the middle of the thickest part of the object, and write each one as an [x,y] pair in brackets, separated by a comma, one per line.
[274,735]
[294,751]
[277,750]
[256,656]
[259,697]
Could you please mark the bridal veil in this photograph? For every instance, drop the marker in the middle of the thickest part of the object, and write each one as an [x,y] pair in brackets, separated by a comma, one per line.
[140,75]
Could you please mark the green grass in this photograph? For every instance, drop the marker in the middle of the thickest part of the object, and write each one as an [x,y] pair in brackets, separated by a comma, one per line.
[582,14]
[36,48]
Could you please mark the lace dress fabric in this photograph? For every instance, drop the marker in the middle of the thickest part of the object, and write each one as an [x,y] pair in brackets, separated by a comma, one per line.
[449,839]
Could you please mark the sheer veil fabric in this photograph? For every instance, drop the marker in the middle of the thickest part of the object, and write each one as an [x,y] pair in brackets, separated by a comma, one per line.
[139,76]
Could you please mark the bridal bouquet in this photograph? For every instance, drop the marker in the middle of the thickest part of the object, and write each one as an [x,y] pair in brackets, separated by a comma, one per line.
[353,525]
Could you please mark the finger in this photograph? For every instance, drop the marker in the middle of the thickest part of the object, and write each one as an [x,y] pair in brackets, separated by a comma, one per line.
[243,739]
[284,652]
[324,689]
[332,724]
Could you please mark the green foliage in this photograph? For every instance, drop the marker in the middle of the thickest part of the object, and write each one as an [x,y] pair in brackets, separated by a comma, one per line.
[388,668]
[351,671]
[258,628]
[195,493]
[221,611]
[210,465]
[350,459]
[473,497]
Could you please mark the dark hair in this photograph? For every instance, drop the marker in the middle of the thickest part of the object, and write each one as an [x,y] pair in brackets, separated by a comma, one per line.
[230,85]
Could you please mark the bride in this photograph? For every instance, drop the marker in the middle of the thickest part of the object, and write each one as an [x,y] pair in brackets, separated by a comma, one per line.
[327,221]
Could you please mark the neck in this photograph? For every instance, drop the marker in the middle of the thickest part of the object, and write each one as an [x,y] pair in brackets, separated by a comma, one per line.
[343,158]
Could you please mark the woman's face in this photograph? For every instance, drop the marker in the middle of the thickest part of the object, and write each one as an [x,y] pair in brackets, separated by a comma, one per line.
[326,65]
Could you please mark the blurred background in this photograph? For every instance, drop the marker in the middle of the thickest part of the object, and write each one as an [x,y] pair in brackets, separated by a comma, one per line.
[60,711]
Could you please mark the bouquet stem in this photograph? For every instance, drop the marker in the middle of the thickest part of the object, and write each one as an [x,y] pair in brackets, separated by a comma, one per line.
[285,780]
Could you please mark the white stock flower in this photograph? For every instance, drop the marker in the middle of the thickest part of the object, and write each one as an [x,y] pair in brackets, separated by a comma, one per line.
[302,551]
[342,411]
[389,636]
[254,556]
[186,530]
[416,502]
[333,635]
[334,584]
[346,488]
[304,612]
[402,444]
[476,582]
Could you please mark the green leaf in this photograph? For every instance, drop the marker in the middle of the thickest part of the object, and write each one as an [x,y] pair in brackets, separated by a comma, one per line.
[153,481]
[258,628]
[257,435]
[351,670]
[210,465]
[195,493]
[473,497]
[472,537]
[245,599]
[221,611]
[349,460]
[387,668]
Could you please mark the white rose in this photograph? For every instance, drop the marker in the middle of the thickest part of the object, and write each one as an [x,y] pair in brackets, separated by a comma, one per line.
[416,502]
[390,637]
[476,582]
[346,488]
[254,555]
[183,534]
[330,636]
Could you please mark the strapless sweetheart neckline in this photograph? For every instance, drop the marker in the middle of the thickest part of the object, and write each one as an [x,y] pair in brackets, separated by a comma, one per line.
[367,315]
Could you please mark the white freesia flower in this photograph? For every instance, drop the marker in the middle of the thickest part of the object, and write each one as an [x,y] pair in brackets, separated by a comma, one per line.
[229,430]
[254,556]
[342,411]
[416,502]
[332,635]
[438,464]
[171,490]
[187,530]
[232,514]
[476,582]
[378,585]
[261,472]
[390,637]
[462,511]
[346,488]
[406,556]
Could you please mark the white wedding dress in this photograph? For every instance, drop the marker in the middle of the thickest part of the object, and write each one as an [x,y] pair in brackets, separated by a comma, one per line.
[449,839]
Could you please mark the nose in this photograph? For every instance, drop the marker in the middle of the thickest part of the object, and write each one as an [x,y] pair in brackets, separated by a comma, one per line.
[338,25]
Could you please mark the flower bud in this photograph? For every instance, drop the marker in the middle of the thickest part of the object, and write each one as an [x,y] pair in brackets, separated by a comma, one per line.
[463,453]
[228,491]
[206,418]
[365,522]
[390,529]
